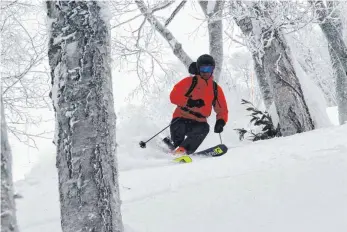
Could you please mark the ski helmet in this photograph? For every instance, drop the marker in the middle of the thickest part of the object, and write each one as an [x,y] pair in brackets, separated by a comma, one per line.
[205,60]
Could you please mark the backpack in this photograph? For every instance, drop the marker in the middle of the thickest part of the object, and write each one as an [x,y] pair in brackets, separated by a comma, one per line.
[195,82]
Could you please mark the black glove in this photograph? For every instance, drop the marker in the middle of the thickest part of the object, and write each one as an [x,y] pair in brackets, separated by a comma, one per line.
[195,103]
[218,128]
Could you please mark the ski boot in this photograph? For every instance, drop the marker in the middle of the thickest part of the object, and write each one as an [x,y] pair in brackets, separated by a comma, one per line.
[169,143]
[183,157]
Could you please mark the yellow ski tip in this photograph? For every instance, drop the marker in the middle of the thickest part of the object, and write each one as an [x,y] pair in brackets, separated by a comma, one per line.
[183,159]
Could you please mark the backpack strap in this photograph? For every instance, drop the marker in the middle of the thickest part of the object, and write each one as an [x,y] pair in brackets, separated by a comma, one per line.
[195,82]
[196,114]
[215,91]
[190,90]
[192,86]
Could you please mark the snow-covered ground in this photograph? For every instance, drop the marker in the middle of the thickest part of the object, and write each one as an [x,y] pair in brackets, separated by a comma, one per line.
[297,183]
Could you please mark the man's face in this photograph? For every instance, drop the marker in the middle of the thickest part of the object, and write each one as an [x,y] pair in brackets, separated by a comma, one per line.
[205,75]
[206,71]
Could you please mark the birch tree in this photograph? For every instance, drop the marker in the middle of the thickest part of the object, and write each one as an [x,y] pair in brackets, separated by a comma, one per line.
[213,11]
[274,53]
[248,27]
[332,29]
[79,57]
[8,206]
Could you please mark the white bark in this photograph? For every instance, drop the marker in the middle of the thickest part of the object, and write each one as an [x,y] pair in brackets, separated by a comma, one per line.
[247,28]
[293,112]
[213,11]
[79,56]
[8,207]
[332,29]
[168,36]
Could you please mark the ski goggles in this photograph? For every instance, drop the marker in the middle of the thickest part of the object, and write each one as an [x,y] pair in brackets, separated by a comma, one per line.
[206,69]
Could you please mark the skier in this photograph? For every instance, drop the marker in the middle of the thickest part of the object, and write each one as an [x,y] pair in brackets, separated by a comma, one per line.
[195,96]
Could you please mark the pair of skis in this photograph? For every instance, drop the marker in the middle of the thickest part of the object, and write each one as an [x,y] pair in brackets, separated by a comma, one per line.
[215,151]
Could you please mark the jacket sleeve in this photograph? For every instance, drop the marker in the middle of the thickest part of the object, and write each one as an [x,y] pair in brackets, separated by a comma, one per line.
[179,90]
[221,107]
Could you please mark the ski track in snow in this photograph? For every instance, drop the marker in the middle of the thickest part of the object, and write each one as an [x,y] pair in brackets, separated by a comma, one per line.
[296,183]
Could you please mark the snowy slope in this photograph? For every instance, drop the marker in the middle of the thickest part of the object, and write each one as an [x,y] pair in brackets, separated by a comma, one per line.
[297,183]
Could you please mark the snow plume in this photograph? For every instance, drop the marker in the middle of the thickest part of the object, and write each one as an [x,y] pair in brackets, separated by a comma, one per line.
[139,123]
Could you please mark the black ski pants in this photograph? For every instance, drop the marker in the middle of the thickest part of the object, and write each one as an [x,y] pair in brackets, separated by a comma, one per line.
[188,133]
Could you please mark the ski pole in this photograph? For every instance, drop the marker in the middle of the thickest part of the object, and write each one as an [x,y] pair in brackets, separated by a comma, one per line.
[143,144]
[220,137]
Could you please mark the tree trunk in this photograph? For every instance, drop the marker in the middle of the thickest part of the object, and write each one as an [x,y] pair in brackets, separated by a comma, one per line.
[79,57]
[214,13]
[332,29]
[8,206]
[340,83]
[293,113]
[246,26]
[263,83]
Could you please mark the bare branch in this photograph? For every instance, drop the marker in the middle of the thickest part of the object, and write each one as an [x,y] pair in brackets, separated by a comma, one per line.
[174,44]
[29,138]
[233,39]
[139,32]
[126,21]
[22,75]
[23,49]
[8,5]
[175,12]
[27,33]
[161,7]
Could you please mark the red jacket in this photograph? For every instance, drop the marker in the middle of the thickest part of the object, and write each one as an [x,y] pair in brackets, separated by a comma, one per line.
[203,90]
